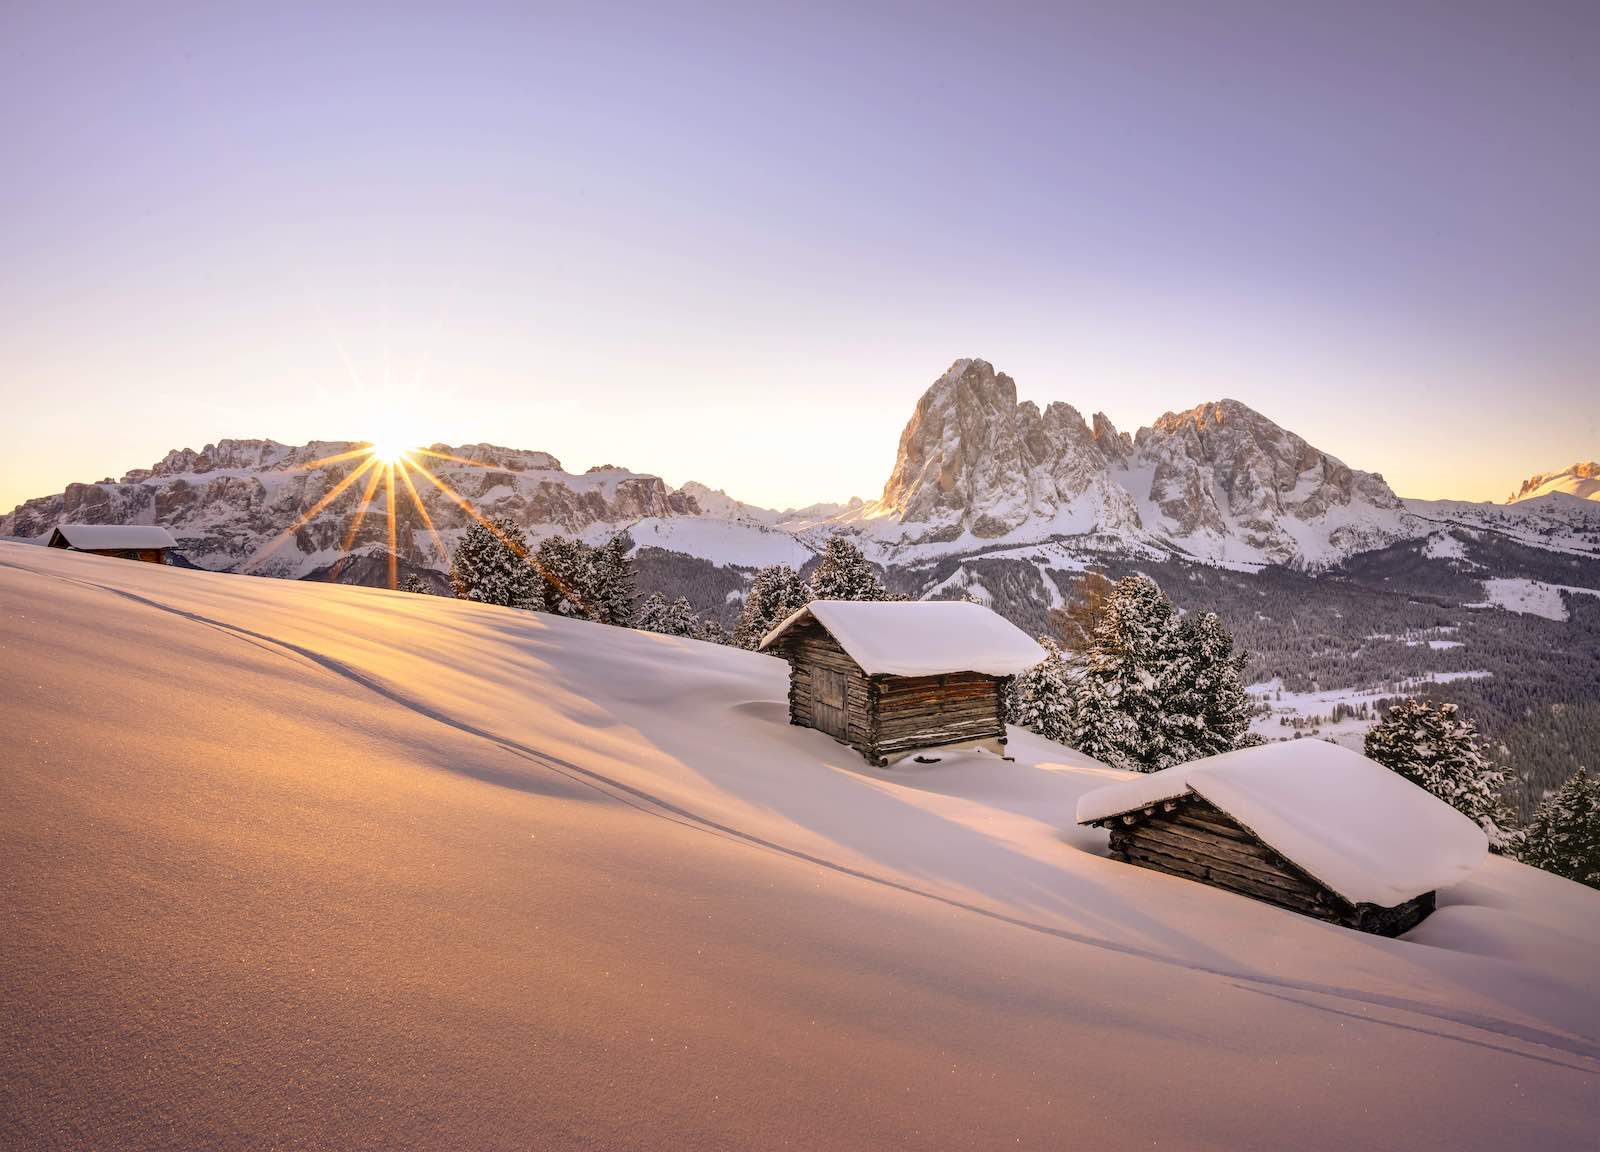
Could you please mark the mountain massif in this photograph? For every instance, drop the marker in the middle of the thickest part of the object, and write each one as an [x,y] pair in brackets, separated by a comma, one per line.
[229,504]
[1220,482]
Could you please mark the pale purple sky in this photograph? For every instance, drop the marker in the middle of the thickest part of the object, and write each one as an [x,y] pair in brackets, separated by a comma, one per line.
[713,241]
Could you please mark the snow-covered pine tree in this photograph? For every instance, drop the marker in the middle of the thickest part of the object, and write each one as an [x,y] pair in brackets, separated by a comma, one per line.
[1564,835]
[1121,701]
[1437,750]
[776,593]
[490,565]
[1209,709]
[1040,699]
[845,574]
[567,566]
[416,585]
[651,613]
[611,596]
[712,631]
[677,618]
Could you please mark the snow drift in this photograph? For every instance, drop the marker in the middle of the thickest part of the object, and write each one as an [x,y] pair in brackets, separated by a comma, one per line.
[313,865]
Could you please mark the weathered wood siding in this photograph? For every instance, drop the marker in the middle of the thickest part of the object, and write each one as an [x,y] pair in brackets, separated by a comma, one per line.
[886,715]
[809,649]
[1192,838]
[927,711]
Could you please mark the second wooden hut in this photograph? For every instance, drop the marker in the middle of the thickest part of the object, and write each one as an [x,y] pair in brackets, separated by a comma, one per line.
[1302,824]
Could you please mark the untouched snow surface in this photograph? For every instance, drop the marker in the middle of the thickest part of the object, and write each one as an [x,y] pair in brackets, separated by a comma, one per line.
[295,865]
[723,542]
[1533,597]
[921,637]
[1366,833]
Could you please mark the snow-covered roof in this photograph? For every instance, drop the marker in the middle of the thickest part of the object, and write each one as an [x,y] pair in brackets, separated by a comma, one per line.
[105,537]
[921,637]
[1363,831]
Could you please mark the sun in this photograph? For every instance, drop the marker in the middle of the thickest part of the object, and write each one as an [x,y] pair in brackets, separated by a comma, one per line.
[390,450]
[391,459]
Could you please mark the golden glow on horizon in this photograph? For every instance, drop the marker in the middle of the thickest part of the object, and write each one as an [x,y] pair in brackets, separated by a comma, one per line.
[379,461]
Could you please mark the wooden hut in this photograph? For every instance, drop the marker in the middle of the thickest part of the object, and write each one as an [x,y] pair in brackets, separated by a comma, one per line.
[147,542]
[895,678]
[1302,824]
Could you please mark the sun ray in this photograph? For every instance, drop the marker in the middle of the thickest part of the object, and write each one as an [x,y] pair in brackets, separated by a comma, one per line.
[456,459]
[519,548]
[305,517]
[361,510]
[388,494]
[416,499]
[364,450]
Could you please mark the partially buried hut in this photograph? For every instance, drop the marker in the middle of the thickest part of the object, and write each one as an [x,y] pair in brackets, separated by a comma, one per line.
[1303,824]
[893,678]
[147,542]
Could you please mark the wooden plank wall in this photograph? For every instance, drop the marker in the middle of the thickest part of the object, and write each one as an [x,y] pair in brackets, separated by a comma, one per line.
[888,715]
[808,646]
[1195,839]
[925,711]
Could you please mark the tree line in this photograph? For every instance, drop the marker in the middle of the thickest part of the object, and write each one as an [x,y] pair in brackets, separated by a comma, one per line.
[1127,678]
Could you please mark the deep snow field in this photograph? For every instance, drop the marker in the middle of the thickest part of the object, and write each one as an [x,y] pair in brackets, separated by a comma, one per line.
[306,865]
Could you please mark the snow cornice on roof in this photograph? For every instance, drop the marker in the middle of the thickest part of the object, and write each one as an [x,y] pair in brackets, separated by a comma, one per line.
[920,637]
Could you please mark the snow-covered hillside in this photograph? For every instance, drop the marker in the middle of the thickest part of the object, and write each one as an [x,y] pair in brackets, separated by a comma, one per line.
[312,865]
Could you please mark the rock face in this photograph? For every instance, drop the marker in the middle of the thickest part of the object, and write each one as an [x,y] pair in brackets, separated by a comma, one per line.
[230,502]
[1580,480]
[1220,481]
[972,460]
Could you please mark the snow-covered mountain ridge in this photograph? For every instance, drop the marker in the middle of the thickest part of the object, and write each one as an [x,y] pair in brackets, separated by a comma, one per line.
[976,471]
[227,503]
[1220,482]
[1580,480]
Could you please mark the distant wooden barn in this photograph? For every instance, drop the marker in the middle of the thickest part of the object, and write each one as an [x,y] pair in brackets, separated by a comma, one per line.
[895,678]
[147,542]
[1302,824]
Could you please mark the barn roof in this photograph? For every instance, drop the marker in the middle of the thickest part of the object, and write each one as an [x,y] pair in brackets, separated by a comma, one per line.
[1361,830]
[106,537]
[921,637]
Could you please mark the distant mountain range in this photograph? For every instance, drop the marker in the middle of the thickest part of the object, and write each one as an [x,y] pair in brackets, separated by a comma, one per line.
[1581,480]
[976,471]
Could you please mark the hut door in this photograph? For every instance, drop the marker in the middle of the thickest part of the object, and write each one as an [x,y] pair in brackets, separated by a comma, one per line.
[828,706]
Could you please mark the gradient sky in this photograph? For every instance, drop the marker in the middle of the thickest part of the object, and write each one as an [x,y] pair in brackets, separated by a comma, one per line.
[733,242]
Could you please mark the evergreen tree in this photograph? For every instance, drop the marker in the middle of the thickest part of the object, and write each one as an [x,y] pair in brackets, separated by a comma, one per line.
[1436,749]
[776,593]
[651,613]
[1209,709]
[712,631]
[416,585]
[1134,662]
[490,565]
[845,574]
[1564,835]
[567,567]
[612,597]
[677,618]
[1040,699]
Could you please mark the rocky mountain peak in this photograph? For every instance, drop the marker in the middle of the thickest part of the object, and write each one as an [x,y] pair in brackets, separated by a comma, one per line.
[974,462]
[1580,480]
